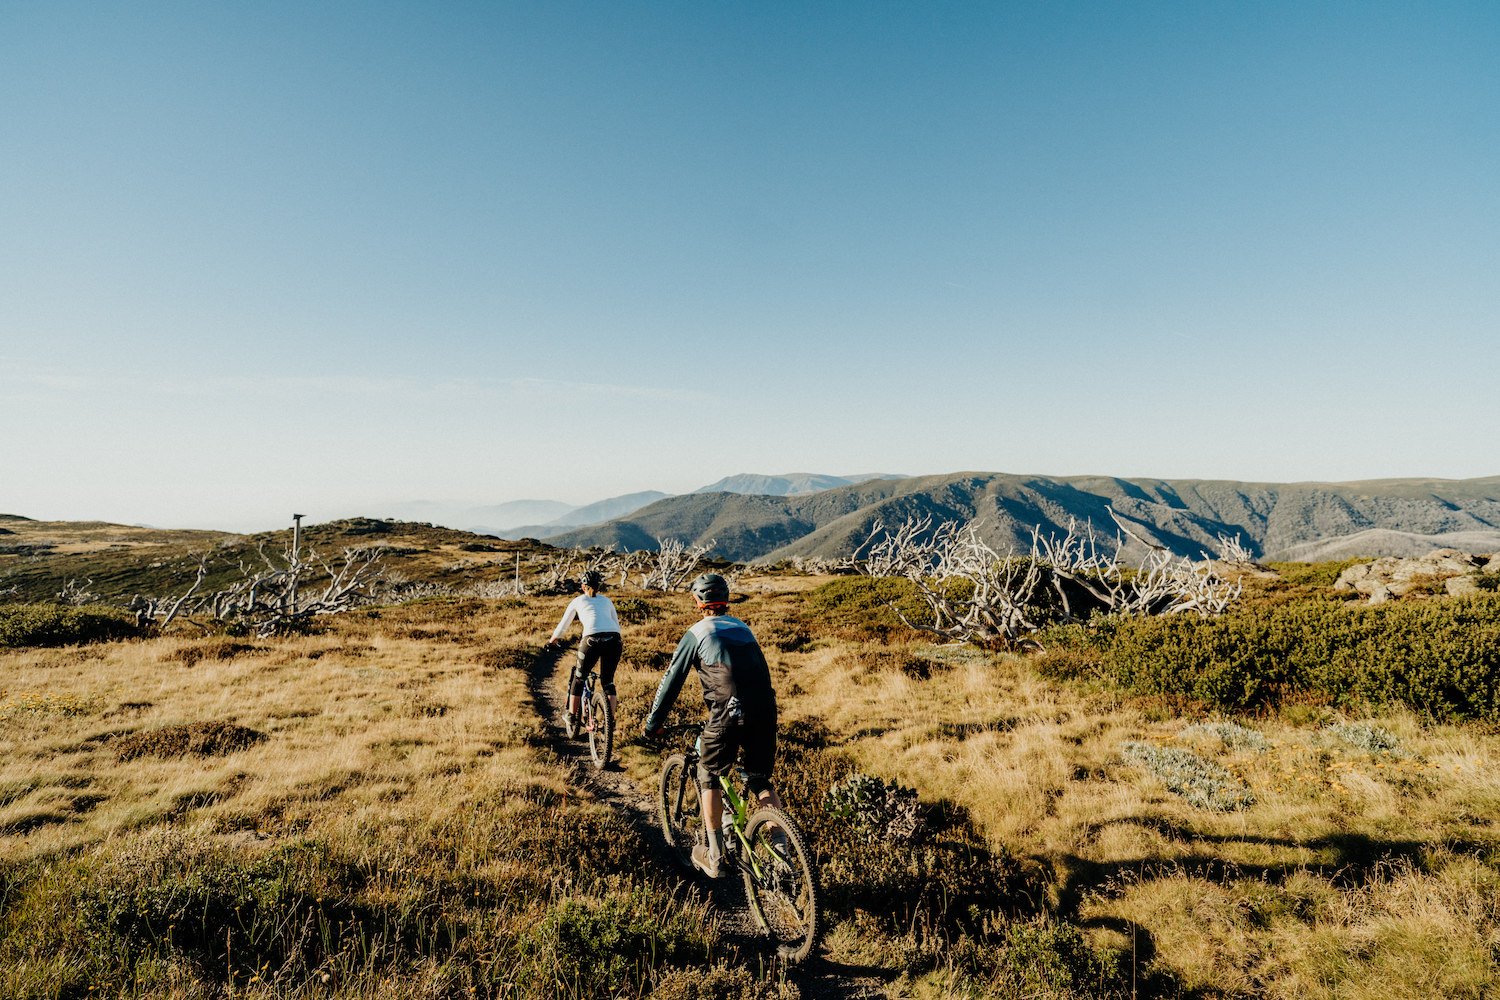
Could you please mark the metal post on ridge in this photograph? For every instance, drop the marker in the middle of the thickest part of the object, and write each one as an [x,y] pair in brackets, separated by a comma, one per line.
[296,555]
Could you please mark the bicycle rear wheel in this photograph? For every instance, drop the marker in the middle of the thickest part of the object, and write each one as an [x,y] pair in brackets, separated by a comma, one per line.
[781,883]
[677,805]
[600,722]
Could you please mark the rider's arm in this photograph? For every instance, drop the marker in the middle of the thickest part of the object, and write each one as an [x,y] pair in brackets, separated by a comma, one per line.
[671,682]
[567,620]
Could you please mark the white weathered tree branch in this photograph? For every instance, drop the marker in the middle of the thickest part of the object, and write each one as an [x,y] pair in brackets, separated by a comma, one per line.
[974,593]
[672,564]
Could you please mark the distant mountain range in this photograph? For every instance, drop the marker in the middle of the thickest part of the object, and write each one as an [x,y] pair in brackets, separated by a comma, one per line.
[593,513]
[791,484]
[545,518]
[1273,520]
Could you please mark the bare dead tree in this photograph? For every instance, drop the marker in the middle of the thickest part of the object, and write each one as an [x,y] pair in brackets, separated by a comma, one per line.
[276,594]
[557,566]
[626,563]
[821,566]
[1171,584]
[672,564]
[1233,552]
[162,611]
[77,594]
[974,593]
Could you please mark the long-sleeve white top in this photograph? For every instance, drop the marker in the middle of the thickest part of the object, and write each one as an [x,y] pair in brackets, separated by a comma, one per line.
[597,614]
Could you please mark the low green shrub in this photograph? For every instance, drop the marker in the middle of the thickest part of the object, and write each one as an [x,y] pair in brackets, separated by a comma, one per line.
[1231,734]
[1441,658]
[44,623]
[860,607]
[637,610]
[594,943]
[879,810]
[1040,959]
[118,914]
[1199,782]
[1367,737]
[1314,574]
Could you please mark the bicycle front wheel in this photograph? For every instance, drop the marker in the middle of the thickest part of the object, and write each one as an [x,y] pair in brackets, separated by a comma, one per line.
[570,724]
[781,883]
[677,806]
[601,727]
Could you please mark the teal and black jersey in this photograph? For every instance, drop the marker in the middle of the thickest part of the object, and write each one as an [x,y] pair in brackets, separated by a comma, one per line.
[735,676]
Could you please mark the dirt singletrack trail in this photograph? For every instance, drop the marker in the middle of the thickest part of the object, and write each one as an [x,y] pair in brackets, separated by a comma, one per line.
[816,978]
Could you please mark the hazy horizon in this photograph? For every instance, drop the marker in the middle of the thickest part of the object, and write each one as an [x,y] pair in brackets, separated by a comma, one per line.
[444,511]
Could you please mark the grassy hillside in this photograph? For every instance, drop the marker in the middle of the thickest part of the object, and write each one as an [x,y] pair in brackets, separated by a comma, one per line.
[381,809]
[116,562]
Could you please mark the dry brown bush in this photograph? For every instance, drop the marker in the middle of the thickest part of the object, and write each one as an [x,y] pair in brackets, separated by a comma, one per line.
[197,739]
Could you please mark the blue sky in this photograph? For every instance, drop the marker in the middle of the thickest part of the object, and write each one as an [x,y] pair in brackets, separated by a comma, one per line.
[262,257]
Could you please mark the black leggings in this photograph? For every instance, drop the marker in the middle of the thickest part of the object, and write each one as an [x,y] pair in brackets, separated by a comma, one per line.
[604,649]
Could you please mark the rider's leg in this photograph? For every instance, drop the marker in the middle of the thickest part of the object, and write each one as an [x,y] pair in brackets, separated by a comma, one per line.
[609,659]
[587,656]
[713,815]
[712,749]
[575,691]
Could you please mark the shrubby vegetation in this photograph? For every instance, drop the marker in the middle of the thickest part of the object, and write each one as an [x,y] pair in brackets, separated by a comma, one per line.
[925,875]
[1440,658]
[44,623]
[1200,782]
[144,914]
[860,607]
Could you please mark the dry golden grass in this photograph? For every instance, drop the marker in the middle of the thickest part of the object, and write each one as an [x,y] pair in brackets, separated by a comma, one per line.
[406,737]
[353,719]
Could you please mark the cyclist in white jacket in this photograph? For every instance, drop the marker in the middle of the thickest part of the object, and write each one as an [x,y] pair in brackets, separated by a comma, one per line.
[600,644]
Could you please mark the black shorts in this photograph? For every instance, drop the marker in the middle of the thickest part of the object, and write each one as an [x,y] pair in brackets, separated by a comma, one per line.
[727,736]
[602,648]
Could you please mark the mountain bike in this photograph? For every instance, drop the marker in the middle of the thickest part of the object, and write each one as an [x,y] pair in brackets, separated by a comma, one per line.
[595,717]
[766,845]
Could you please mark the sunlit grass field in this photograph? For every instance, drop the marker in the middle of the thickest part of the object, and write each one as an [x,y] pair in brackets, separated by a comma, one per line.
[377,810]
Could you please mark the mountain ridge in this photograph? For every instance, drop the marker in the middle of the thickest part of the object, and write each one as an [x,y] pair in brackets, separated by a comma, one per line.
[1187,516]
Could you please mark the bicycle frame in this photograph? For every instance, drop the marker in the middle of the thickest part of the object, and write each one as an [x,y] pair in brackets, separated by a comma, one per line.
[781,882]
[739,807]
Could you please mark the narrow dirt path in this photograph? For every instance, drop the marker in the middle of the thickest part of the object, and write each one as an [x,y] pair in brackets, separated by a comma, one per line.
[817,978]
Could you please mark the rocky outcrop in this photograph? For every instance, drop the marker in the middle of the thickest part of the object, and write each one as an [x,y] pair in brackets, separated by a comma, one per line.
[1445,571]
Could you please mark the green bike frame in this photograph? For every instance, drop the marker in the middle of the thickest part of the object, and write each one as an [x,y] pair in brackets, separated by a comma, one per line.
[740,809]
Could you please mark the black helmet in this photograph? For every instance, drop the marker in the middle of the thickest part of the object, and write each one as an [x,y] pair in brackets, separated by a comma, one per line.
[711,588]
[593,579]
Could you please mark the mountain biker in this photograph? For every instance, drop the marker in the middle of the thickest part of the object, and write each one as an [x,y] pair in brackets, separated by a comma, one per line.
[741,708]
[600,643]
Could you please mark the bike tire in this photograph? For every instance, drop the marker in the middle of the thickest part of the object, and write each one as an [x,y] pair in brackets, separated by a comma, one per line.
[570,724]
[679,810]
[601,728]
[784,896]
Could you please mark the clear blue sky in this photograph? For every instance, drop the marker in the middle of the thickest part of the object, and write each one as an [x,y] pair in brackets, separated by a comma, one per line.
[260,257]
